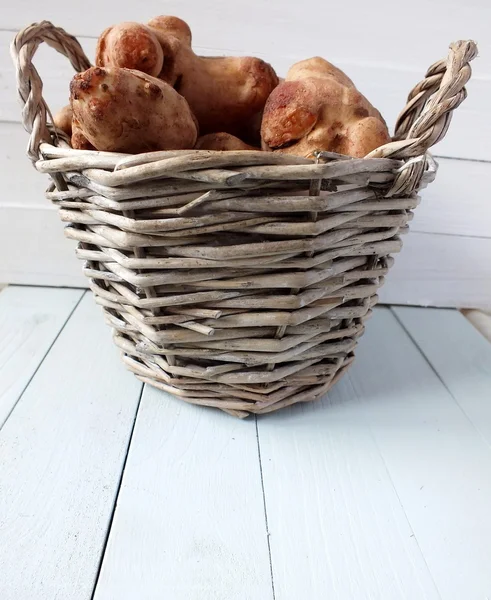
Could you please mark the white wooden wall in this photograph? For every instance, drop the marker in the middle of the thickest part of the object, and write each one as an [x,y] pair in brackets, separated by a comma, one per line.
[384,47]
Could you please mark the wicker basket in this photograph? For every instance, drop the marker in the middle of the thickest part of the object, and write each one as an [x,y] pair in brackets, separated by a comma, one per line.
[239,280]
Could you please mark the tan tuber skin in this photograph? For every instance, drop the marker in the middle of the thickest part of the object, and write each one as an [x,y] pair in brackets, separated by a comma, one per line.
[120,110]
[318,107]
[63,120]
[79,141]
[222,141]
[130,45]
[226,94]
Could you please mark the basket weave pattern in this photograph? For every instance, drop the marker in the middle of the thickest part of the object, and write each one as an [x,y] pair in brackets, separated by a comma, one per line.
[238,280]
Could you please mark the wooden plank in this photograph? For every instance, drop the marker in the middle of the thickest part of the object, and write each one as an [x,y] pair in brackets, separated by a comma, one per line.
[456,203]
[23,186]
[460,356]
[62,453]
[434,270]
[448,206]
[41,255]
[236,27]
[431,270]
[337,529]
[439,463]
[189,521]
[217,32]
[440,270]
[30,321]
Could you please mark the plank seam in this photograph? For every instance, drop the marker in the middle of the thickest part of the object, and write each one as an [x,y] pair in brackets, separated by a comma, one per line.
[477,160]
[444,233]
[52,287]
[116,497]
[48,350]
[437,156]
[268,534]
[442,381]
[426,227]
[386,467]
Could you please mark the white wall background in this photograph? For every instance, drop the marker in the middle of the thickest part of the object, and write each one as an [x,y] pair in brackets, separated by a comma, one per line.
[384,47]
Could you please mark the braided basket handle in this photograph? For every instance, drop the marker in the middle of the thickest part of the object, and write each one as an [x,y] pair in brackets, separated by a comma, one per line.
[428,112]
[29,83]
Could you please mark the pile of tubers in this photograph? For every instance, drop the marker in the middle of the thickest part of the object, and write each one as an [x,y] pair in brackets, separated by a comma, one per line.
[149,91]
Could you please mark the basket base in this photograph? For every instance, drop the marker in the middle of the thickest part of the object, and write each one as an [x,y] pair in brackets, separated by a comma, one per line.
[244,400]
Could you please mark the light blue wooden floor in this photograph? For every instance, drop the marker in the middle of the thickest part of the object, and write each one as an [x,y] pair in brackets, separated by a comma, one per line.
[111,491]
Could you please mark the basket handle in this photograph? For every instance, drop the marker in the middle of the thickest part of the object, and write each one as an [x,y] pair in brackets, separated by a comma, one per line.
[428,112]
[29,83]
